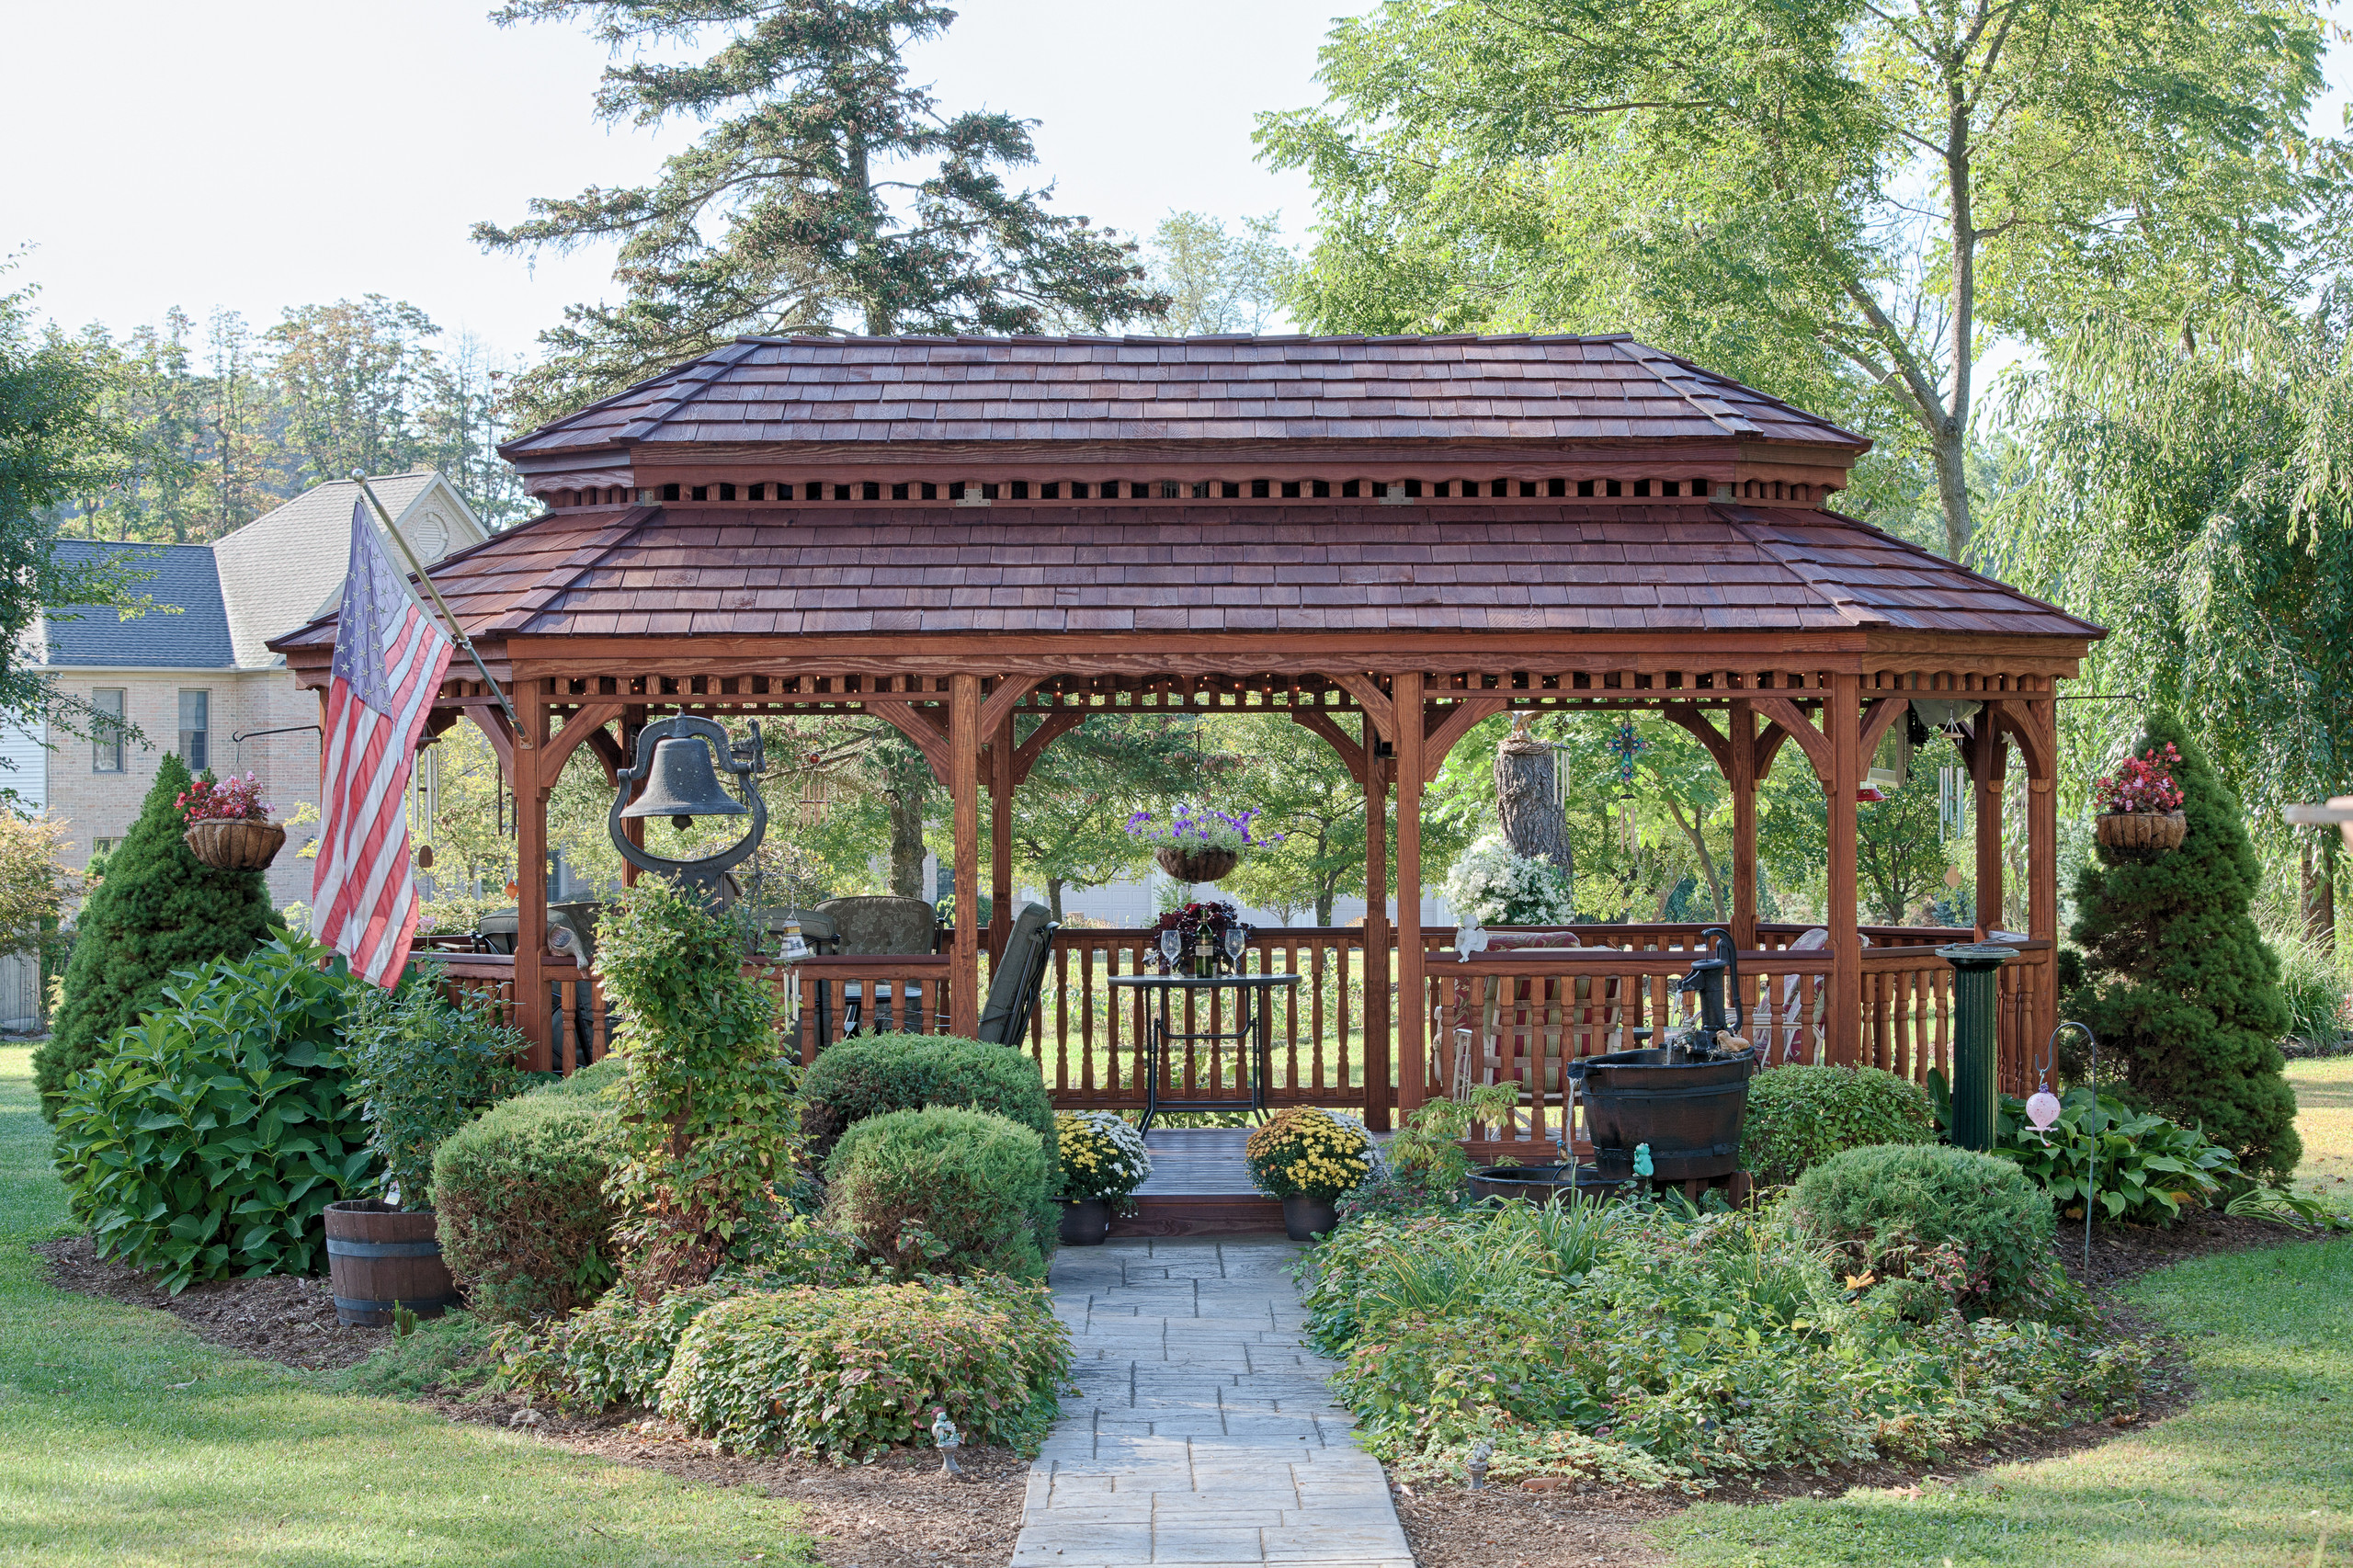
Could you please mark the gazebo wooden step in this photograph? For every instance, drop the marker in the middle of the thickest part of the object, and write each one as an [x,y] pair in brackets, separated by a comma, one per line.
[1207,1214]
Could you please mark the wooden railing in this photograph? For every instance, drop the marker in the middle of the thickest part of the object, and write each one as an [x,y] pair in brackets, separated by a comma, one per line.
[1087,1036]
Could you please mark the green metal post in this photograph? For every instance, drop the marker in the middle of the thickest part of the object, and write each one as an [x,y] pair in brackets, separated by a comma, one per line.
[1976,1096]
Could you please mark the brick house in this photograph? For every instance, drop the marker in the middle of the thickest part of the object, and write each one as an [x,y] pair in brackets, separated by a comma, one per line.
[194,675]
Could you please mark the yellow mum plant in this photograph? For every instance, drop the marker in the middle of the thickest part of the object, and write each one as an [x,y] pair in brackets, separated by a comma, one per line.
[1102,1157]
[1305,1152]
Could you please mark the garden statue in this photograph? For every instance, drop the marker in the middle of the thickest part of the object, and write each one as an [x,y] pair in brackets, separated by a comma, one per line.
[947,1439]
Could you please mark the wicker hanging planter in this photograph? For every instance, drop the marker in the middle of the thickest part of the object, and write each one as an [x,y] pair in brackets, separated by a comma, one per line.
[2160,831]
[235,844]
[1189,865]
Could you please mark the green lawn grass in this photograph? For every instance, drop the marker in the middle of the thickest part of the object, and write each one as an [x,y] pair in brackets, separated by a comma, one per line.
[124,1442]
[2252,1474]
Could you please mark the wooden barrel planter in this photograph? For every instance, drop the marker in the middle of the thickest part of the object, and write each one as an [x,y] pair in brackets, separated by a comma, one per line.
[2159,831]
[235,844]
[379,1255]
[1196,865]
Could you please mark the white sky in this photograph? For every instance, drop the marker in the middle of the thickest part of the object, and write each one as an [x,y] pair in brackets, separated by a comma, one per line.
[260,153]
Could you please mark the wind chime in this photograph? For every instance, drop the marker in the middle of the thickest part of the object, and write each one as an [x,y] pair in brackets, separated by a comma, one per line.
[1626,745]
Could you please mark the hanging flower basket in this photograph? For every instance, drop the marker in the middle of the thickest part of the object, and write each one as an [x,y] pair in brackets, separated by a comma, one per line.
[1200,844]
[1196,865]
[228,823]
[2160,831]
[2140,805]
[235,844]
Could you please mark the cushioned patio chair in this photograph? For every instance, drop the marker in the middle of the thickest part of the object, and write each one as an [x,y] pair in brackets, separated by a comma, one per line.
[1019,972]
[877,927]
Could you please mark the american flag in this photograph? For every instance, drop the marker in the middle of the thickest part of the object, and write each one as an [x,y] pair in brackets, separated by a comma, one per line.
[388,660]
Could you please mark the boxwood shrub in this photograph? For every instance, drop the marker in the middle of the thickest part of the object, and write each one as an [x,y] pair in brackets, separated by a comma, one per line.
[849,1373]
[874,1073]
[1799,1117]
[945,1191]
[525,1225]
[208,1140]
[1888,1210]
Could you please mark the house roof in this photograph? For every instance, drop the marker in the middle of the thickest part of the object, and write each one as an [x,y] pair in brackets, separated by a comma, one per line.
[1468,566]
[1190,388]
[287,565]
[188,630]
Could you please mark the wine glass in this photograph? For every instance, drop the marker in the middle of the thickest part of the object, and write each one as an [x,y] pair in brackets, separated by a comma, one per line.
[1172,942]
[1237,936]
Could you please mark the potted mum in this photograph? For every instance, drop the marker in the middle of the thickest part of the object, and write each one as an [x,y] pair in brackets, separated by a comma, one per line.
[228,824]
[1309,1159]
[2140,805]
[1199,843]
[1103,1162]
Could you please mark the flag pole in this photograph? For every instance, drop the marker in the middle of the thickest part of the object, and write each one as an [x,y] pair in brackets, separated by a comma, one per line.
[522,736]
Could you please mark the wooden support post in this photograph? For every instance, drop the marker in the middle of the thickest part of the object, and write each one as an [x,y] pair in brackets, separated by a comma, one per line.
[1413,1061]
[964,787]
[1377,1095]
[1842,719]
[633,828]
[1743,779]
[1001,788]
[1988,761]
[531,791]
[2043,861]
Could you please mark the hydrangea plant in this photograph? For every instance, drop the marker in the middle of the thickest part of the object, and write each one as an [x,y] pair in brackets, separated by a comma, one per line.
[1494,886]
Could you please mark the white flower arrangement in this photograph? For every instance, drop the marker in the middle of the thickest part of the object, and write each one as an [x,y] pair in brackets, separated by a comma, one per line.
[1490,885]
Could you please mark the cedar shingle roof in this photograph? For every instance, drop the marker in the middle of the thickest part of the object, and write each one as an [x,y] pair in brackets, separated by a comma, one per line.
[914,389]
[1462,566]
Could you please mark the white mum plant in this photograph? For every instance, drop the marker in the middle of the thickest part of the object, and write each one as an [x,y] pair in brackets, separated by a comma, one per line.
[1494,886]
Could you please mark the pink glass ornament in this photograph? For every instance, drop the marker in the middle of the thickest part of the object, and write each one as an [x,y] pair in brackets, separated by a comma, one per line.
[2043,1107]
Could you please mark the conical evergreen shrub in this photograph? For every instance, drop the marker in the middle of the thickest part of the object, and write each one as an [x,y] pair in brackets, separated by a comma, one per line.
[158,909]
[2179,983]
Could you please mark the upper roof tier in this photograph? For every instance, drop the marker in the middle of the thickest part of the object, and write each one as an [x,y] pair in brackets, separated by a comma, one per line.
[788,394]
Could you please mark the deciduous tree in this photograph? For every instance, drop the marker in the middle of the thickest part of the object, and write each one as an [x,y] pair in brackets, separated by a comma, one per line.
[1840,201]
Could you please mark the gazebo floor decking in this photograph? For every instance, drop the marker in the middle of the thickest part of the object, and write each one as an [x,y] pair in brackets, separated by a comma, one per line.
[1201,1186]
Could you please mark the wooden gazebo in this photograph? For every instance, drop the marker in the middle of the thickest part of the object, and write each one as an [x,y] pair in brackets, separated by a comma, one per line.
[1385,539]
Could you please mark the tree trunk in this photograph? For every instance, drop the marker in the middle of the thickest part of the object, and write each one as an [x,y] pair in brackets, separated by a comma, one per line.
[908,798]
[1528,799]
[1054,898]
[2319,895]
[1707,861]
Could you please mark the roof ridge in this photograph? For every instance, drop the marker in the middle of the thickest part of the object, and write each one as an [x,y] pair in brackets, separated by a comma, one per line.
[713,367]
[1798,562]
[587,556]
[1707,403]
[1781,404]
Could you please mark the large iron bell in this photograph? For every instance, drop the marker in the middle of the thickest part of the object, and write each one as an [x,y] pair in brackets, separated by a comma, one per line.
[682,785]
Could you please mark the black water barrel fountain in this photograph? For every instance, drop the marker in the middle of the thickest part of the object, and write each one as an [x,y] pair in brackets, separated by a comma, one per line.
[1688,1100]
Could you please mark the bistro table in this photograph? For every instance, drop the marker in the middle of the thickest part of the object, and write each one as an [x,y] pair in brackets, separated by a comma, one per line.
[1252,1036]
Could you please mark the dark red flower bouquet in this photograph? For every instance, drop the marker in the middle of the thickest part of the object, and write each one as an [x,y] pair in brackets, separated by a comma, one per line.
[2143,784]
[1216,918]
[235,800]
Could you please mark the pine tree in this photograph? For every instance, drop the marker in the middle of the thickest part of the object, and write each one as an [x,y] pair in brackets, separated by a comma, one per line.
[827,188]
[2178,982]
[158,909]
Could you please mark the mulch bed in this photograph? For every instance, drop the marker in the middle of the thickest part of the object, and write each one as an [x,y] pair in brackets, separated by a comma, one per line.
[274,1318]
[1568,1524]
[897,1512]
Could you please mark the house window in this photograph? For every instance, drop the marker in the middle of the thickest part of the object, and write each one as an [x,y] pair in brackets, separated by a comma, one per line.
[196,724]
[105,731]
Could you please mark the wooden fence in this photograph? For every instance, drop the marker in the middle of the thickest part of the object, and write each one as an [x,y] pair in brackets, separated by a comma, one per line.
[1508,1017]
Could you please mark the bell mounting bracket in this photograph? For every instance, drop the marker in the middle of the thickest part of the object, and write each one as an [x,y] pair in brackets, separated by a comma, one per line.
[745,760]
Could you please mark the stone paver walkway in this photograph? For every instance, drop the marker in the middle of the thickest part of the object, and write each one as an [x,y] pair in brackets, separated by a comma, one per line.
[1204,1433]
